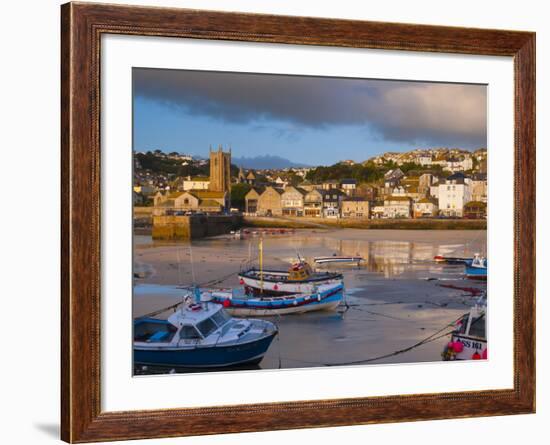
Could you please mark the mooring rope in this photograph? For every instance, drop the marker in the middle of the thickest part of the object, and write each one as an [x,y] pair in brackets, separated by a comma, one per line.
[433,337]
[159,311]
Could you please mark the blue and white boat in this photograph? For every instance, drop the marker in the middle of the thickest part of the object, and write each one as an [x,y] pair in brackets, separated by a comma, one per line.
[324,297]
[201,335]
[476,268]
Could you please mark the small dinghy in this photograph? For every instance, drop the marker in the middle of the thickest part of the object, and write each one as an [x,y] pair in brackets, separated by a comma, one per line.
[338,259]
[476,268]
[450,259]
[469,339]
[201,335]
[326,297]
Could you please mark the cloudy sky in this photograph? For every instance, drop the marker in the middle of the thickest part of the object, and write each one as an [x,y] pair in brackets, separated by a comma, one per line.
[311,120]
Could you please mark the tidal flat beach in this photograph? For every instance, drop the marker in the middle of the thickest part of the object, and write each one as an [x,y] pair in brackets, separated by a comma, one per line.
[397,298]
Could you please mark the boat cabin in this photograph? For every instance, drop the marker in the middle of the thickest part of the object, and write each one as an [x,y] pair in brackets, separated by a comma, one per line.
[479,261]
[299,271]
[191,324]
[472,324]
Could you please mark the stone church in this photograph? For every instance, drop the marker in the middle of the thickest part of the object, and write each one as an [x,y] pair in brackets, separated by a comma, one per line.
[217,199]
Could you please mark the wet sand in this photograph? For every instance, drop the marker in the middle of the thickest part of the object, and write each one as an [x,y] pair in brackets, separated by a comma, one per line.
[395,299]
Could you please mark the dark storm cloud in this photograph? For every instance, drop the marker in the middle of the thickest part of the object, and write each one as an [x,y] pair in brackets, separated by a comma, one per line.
[432,113]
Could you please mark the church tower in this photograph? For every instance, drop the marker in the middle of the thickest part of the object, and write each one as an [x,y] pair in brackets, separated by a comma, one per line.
[220,171]
[241,178]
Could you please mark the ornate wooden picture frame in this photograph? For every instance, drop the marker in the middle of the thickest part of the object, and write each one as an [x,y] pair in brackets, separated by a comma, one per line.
[82,26]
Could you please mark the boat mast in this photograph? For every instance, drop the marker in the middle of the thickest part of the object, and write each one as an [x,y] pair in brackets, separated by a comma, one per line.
[261,252]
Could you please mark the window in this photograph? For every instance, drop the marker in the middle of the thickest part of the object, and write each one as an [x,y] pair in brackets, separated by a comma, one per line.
[189,333]
[477,327]
[206,327]
[186,201]
[221,317]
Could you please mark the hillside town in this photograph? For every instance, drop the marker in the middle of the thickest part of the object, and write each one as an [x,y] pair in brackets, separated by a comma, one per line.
[422,183]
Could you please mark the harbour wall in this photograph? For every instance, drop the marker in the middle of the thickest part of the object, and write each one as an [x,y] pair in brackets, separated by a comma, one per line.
[365,223]
[169,227]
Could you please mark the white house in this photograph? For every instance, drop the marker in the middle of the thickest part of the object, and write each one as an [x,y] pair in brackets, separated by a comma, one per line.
[377,211]
[424,159]
[397,207]
[349,186]
[453,193]
[457,165]
[425,207]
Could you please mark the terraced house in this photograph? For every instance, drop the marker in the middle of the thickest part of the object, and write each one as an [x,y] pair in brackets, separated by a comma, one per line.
[425,208]
[397,207]
[252,199]
[292,201]
[313,203]
[269,203]
[355,208]
[332,202]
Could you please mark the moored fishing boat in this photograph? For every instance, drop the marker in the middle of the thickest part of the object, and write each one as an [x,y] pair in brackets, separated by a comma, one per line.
[326,297]
[476,268]
[201,335]
[299,278]
[469,339]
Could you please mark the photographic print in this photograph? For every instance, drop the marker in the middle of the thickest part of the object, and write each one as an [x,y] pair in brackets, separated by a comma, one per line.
[285,221]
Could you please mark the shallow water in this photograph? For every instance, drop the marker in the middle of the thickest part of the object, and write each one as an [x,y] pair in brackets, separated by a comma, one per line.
[395,298]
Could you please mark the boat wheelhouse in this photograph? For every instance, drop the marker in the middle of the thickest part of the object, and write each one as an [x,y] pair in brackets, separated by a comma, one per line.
[476,268]
[469,339]
[201,335]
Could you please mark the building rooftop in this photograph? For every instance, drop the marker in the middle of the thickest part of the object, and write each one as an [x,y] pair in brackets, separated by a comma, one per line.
[475,204]
[397,198]
[349,181]
[427,201]
[332,192]
[355,199]
[456,176]
[205,194]
[209,203]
